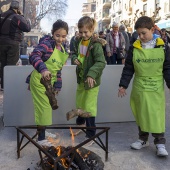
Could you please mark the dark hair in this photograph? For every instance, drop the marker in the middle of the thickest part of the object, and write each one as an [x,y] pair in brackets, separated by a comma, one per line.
[144,22]
[59,24]
[87,21]
[101,32]
[163,29]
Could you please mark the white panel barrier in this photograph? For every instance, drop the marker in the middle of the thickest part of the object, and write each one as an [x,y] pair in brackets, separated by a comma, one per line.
[18,106]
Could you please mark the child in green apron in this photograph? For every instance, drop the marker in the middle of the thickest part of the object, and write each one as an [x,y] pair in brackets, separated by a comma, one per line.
[90,61]
[149,60]
[48,59]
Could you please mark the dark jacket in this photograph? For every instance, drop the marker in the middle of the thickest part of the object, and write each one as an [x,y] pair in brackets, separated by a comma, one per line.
[128,69]
[94,62]
[11,29]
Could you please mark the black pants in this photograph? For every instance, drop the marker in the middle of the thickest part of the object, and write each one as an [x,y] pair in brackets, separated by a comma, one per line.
[90,122]
[41,132]
[159,137]
[9,55]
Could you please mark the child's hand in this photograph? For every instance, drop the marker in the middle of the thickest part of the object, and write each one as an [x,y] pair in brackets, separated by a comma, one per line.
[109,54]
[121,92]
[46,75]
[77,62]
[90,82]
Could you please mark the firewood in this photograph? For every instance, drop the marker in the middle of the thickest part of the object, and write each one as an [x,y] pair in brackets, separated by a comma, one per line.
[77,112]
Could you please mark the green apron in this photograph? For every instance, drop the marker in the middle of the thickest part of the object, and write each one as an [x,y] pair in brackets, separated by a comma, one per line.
[42,107]
[86,99]
[147,97]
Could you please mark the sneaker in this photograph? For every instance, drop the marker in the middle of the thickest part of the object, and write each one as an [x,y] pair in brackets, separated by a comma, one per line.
[89,143]
[76,132]
[50,135]
[139,144]
[161,151]
[44,143]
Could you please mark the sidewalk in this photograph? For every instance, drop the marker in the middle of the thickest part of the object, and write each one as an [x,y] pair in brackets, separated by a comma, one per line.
[121,157]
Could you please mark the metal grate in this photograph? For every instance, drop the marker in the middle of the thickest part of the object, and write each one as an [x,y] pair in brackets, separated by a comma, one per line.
[96,139]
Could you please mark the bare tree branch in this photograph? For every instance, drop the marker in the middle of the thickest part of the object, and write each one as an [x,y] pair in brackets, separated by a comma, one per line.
[37,10]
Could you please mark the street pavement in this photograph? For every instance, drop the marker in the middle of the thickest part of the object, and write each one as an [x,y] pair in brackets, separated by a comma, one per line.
[121,157]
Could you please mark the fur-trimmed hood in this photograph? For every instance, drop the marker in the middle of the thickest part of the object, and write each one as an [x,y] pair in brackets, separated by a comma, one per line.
[102,41]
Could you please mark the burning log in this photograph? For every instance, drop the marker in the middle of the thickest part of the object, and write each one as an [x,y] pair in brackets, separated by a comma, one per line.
[81,159]
[77,112]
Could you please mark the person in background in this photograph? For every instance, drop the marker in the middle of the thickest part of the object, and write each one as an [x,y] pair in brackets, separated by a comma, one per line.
[115,42]
[165,36]
[126,37]
[72,44]
[90,61]
[157,30]
[47,58]
[12,26]
[103,36]
[134,37]
[149,60]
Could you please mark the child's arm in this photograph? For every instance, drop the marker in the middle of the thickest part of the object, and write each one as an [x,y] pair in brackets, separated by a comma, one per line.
[35,58]
[166,66]
[128,70]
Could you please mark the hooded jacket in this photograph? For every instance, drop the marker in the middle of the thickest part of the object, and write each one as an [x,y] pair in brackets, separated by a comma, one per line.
[11,31]
[94,62]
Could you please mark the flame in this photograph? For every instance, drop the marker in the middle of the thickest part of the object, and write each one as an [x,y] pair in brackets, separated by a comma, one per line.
[72,137]
[63,160]
[83,156]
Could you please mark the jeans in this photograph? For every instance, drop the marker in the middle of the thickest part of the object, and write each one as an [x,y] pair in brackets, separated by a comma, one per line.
[90,122]
[9,55]
[41,132]
[114,60]
[159,137]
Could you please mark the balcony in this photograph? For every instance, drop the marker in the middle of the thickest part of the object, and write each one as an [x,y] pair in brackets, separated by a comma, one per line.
[106,4]
[106,16]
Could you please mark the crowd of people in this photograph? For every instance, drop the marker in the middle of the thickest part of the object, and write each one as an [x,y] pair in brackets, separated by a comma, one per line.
[118,42]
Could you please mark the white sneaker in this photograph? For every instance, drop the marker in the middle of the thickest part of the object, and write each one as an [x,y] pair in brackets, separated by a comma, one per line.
[161,151]
[139,144]
[44,143]
[89,143]
[77,131]
[51,135]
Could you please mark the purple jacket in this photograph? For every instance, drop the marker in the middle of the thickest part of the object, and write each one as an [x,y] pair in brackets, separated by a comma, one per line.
[42,53]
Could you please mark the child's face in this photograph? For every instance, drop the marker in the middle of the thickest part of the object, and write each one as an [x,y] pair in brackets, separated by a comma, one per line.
[60,36]
[85,33]
[145,34]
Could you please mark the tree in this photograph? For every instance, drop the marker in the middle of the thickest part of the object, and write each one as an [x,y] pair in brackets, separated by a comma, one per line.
[53,9]
[36,10]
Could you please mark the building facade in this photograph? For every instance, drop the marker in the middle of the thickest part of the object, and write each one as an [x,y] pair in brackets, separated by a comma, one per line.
[128,11]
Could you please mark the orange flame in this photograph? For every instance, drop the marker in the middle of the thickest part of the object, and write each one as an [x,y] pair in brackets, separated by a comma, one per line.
[63,160]
[72,136]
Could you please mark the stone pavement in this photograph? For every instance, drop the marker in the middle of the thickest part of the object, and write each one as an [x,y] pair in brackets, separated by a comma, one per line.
[121,157]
